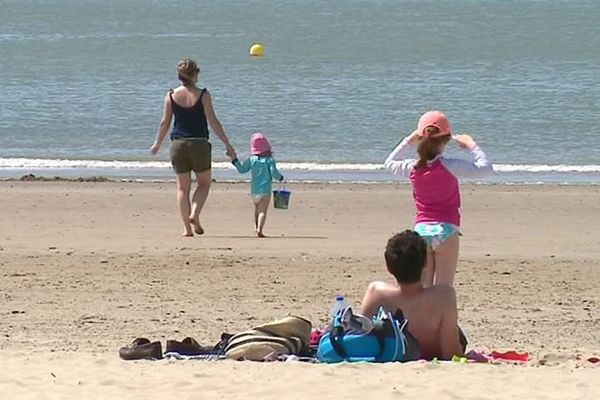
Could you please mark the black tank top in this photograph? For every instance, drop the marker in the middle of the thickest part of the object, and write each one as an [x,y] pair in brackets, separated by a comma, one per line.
[190,122]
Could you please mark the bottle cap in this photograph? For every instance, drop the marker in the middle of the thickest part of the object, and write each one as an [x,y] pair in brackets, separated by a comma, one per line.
[339,297]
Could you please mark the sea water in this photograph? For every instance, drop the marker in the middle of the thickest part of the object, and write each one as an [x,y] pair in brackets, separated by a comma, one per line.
[342,81]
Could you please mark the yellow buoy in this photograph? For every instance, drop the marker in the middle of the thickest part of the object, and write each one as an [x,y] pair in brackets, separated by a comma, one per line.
[257,50]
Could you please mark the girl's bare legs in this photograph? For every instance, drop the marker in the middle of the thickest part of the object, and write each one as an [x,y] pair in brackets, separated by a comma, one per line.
[184,182]
[203,181]
[429,270]
[260,213]
[446,259]
[255,217]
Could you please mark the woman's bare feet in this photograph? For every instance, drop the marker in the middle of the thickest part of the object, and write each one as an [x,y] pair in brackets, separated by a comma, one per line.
[260,234]
[187,233]
[197,227]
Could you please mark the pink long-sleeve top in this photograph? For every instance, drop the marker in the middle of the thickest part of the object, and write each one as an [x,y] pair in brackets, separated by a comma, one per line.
[436,187]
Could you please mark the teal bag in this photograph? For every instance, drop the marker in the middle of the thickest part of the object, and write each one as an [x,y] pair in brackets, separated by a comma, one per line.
[354,337]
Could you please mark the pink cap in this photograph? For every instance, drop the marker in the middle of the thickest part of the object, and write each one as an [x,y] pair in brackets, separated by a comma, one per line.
[259,144]
[436,119]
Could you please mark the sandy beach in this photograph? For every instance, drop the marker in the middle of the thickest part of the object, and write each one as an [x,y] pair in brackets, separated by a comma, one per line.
[86,267]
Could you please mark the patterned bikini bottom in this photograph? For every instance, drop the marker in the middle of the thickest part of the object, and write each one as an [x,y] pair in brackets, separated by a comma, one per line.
[436,233]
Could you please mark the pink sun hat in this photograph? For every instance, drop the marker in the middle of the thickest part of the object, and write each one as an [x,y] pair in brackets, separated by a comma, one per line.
[259,144]
[436,119]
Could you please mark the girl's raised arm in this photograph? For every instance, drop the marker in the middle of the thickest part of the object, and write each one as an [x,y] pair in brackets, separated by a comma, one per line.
[479,167]
[397,161]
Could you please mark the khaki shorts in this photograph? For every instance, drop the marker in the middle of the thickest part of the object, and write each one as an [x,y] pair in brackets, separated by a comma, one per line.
[190,155]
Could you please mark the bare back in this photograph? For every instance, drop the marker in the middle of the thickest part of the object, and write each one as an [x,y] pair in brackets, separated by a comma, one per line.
[186,97]
[431,314]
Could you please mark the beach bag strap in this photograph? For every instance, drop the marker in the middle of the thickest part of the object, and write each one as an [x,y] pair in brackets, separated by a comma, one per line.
[337,334]
[334,338]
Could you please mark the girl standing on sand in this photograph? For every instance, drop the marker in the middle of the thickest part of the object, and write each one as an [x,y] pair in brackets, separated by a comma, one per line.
[264,170]
[190,148]
[436,190]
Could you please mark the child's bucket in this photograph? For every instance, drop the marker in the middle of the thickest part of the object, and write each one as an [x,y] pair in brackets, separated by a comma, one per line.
[281,198]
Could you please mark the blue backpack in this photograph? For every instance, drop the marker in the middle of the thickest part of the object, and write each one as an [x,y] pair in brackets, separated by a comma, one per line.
[354,337]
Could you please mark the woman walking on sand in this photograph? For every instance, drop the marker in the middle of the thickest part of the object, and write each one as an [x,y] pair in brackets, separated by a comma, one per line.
[190,147]
[436,190]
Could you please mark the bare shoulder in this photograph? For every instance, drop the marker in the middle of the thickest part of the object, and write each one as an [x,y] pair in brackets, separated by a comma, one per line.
[443,294]
[383,292]
[206,98]
[176,94]
[380,286]
[379,294]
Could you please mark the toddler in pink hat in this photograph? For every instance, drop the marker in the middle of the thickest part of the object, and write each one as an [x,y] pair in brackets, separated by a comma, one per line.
[263,168]
[259,145]
[436,190]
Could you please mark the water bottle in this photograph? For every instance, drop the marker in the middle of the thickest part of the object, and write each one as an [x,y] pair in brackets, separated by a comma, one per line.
[339,304]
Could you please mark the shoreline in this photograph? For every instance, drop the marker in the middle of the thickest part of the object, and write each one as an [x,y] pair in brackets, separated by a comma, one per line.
[30,177]
[158,171]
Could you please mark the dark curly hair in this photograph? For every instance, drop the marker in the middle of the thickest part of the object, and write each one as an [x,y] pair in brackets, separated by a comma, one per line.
[405,256]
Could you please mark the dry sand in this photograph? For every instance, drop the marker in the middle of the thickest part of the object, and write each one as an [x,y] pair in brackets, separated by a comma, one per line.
[87,267]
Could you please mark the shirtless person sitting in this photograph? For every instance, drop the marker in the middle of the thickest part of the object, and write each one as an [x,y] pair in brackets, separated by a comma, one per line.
[431,312]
